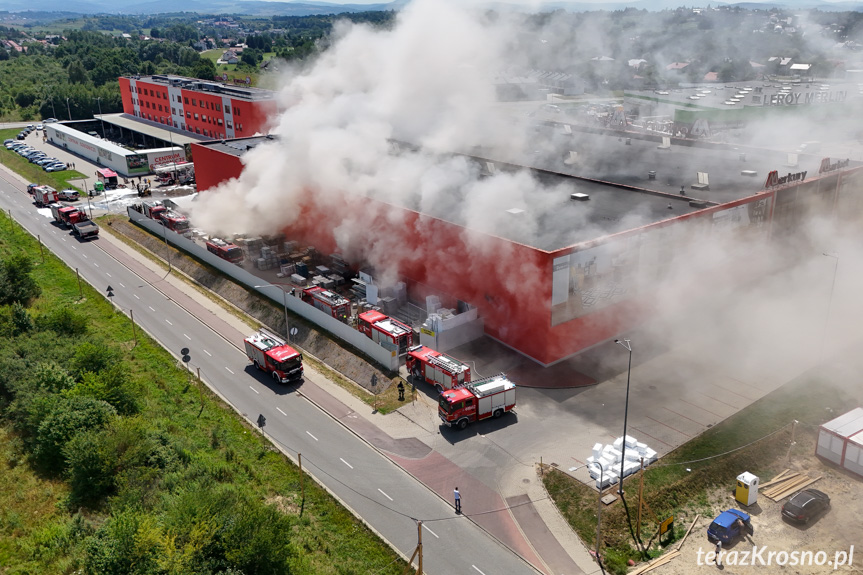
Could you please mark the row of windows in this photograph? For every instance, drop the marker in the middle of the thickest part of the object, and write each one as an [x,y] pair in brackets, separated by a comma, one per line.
[195,102]
[197,130]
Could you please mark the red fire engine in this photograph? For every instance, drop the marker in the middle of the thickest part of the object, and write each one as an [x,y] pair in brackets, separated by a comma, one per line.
[328,302]
[380,327]
[225,250]
[271,354]
[489,397]
[438,369]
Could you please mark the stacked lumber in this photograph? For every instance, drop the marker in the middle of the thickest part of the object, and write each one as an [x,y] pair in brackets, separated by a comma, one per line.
[658,562]
[785,484]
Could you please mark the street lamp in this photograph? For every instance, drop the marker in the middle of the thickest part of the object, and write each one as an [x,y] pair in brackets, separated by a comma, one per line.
[625,343]
[87,193]
[285,301]
[829,301]
[68,109]
[599,512]
[99,102]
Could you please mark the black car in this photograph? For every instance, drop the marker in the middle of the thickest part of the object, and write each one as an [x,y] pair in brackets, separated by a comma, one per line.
[805,505]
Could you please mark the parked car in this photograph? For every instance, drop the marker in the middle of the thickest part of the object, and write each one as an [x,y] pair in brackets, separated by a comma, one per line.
[50,120]
[21,135]
[8,141]
[68,195]
[40,127]
[730,526]
[43,161]
[31,188]
[805,505]
[54,167]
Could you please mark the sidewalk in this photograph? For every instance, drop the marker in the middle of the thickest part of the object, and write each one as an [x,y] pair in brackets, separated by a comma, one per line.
[521,528]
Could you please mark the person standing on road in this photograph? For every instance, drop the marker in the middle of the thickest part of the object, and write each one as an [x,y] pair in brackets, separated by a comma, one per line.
[718,551]
[457,496]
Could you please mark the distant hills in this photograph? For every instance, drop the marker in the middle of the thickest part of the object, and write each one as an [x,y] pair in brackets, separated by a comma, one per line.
[309,8]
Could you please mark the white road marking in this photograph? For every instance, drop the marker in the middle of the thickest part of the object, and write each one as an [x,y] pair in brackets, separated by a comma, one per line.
[282,412]
[151,308]
[346,463]
[252,388]
[208,353]
[94,263]
[391,499]
[312,436]
[169,322]
[74,248]
[85,255]
[187,337]
[136,296]
[477,568]
[64,239]
[229,370]
[432,532]
[109,275]
[122,286]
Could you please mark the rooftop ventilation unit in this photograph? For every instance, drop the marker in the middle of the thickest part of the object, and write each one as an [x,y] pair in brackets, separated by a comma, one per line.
[697,204]
[579,196]
[515,211]
[490,167]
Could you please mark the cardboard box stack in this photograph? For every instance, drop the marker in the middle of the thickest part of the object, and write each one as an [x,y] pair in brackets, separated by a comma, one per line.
[604,462]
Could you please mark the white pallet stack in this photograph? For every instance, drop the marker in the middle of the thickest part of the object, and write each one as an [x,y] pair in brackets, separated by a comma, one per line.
[609,457]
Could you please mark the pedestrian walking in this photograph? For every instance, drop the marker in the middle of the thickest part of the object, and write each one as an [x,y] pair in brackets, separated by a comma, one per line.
[457,496]
[718,551]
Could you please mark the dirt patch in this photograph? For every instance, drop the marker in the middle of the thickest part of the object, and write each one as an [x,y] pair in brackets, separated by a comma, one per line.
[834,534]
[343,359]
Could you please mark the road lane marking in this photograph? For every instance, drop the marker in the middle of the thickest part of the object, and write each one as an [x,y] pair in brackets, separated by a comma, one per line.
[85,255]
[282,412]
[390,498]
[169,321]
[187,337]
[109,275]
[136,296]
[122,286]
[74,248]
[151,308]
[346,463]
[250,387]
[312,436]
[64,239]
[208,353]
[435,534]
[477,568]
[94,263]
[229,370]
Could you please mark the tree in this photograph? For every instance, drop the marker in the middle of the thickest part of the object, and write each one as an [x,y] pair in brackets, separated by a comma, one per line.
[68,417]
[16,285]
[90,357]
[77,73]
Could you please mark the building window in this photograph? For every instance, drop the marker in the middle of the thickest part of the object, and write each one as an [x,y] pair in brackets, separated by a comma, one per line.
[229,124]
[188,114]
[194,102]
[160,107]
[196,117]
[239,127]
[220,121]
[227,109]
[203,118]
[218,107]
[147,104]
[174,111]
[236,111]
[197,130]
[186,99]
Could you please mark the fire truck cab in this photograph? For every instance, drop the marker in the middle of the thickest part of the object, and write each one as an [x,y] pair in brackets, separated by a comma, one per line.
[489,397]
[380,327]
[436,368]
[328,302]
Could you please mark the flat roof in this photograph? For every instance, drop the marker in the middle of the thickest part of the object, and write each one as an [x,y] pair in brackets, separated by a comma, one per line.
[152,129]
[240,92]
[629,180]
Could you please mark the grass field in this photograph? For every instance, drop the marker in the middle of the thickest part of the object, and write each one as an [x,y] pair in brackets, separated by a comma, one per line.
[39,534]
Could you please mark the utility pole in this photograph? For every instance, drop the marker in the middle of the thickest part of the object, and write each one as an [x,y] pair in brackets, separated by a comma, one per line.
[134,331]
[417,551]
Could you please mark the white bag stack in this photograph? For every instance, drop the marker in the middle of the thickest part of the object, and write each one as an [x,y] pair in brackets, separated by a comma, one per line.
[609,457]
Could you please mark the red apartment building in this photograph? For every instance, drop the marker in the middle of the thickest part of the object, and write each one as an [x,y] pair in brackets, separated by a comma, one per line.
[211,109]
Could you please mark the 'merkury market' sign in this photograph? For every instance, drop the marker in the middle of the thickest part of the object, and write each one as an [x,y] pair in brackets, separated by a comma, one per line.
[774,179]
[826,166]
[797,98]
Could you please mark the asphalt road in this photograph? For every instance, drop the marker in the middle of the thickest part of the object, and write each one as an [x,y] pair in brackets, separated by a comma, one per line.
[375,488]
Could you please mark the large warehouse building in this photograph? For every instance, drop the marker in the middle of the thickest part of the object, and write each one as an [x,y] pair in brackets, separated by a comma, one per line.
[582,263]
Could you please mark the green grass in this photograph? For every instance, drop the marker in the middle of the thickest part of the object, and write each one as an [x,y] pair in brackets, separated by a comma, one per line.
[35,531]
[33,173]
[679,484]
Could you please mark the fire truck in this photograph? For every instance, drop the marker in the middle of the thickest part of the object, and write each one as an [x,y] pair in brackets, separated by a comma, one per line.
[328,302]
[380,327]
[45,195]
[171,219]
[464,404]
[436,368]
[225,250]
[272,354]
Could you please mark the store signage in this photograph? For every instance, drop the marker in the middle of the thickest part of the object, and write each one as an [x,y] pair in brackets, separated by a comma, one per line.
[826,166]
[774,179]
[796,98]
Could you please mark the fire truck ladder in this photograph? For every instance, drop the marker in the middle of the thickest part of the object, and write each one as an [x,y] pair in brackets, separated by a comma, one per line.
[473,384]
[448,365]
[270,335]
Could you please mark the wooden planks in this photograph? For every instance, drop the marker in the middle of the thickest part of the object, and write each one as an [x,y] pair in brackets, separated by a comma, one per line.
[658,562]
[785,484]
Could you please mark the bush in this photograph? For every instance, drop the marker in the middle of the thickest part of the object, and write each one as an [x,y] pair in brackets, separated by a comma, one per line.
[63,321]
[16,284]
[67,418]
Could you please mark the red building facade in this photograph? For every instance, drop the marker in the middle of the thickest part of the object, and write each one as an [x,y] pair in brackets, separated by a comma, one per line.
[549,305]
[210,109]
